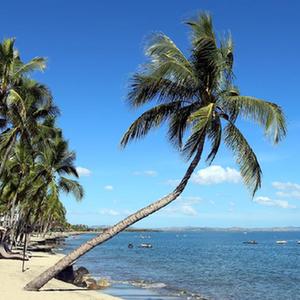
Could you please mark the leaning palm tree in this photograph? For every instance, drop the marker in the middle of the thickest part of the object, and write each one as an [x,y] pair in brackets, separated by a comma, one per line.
[197,98]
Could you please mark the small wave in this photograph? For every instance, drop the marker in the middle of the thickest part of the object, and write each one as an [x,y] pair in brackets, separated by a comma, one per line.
[172,292]
[148,285]
[160,285]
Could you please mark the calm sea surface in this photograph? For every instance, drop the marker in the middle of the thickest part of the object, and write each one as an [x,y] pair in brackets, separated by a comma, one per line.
[215,265]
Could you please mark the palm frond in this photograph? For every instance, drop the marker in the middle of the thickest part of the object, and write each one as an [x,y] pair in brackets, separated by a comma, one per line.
[37,63]
[71,186]
[169,68]
[246,159]
[179,123]
[202,116]
[146,88]
[195,140]
[150,119]
[167,61]
[215,135]
[201,121]
[202,27]
[267,114]
[160,45]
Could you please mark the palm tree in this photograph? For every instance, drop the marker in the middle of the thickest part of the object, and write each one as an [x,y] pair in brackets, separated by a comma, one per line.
[194,95]
[14,183]
[27,109]
[13,85]
[54,165]
[33,184]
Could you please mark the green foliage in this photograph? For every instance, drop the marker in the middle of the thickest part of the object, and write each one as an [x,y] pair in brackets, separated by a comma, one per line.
[196,97]
[35,159]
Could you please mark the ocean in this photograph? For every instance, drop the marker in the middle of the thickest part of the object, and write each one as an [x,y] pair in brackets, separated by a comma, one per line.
[196,265]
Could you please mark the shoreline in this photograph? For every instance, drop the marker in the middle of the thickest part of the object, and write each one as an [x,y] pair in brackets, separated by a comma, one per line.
[13,281]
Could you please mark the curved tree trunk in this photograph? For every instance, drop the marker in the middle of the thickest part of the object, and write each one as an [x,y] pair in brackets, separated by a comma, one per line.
[107,234]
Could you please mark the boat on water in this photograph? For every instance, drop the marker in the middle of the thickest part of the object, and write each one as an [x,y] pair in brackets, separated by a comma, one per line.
[145,245]
[298,242]
[281,242]
[251,242]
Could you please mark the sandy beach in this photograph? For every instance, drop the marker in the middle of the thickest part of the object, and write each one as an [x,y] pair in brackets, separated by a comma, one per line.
[13,280]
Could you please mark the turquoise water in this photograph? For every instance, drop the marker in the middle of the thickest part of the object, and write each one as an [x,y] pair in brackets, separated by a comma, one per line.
[215,265]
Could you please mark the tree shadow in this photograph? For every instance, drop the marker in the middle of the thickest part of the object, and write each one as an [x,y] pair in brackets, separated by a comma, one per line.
[66,290]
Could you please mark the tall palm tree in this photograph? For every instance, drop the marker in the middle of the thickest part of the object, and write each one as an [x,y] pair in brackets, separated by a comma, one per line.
[54,165]
[195,95]
[34,182]
[14,183]
[26,111]
[13,87]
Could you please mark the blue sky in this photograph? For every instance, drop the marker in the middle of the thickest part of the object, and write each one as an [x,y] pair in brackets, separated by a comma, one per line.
[93,47]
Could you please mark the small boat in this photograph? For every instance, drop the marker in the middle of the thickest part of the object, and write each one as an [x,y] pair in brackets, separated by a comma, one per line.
[281,242]
[145,245]
[298,242]
[130,246]
[251,242]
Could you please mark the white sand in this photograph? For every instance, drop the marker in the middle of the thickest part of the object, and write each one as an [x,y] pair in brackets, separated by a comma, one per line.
[12,281]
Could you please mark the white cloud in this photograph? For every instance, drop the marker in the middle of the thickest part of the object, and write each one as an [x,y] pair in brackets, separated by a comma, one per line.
[150,173]
[287,189]
[266,201]
[173,182]
[127,212]
[189,200]
[109,212]
[183,206]
[114,212]
[184,209]
[83,171]
[285,185]
[109,187]
[145,173]
[188,210]
[216,174]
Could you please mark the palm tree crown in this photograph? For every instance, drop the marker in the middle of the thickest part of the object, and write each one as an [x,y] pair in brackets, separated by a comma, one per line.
[196,95]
